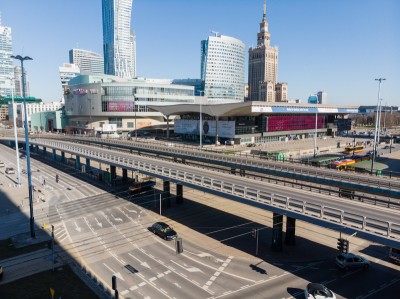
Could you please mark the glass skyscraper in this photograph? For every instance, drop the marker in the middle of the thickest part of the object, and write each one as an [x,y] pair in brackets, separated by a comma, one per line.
[117,44]
[6,62]
[222,68]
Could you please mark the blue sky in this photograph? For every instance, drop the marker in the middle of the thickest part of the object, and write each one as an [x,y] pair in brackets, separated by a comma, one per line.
[339,46]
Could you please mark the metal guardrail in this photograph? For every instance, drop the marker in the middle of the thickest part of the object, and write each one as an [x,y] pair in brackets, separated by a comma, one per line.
[329,214]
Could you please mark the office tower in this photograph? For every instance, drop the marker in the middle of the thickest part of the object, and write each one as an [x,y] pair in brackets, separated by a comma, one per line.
[117,38]
[88,62]
[6,62]
[322,97]
[263,65]
[222,68]
[281,92]
[67,72]
[18,82]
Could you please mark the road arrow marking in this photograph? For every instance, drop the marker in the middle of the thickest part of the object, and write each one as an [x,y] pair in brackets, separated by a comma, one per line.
[98,223]
[187,268]
[177,284]
[117,274]
[117,219]
[144,264]
[77,227]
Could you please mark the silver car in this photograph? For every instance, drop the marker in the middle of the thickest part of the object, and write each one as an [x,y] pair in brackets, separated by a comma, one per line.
[349,261]
[10,170]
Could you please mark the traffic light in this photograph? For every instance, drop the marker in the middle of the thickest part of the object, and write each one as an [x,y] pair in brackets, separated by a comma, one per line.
[340,244]
[345,246]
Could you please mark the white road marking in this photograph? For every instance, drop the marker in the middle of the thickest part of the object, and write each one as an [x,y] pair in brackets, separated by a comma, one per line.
[117,274]
[77,227]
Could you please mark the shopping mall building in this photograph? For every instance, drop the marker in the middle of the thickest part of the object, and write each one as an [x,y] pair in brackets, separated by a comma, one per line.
[162,108]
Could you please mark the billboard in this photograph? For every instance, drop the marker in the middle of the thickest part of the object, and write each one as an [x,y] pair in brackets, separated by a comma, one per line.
[226,129]
[294,122]
[109,128]
[119,107]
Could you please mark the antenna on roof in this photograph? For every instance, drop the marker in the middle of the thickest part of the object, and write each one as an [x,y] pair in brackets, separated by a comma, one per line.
[216,33]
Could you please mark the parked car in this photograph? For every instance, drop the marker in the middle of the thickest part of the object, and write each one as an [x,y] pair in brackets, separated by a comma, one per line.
[318,291]
[2,164]
[163,230]
[349,261]
[10,170]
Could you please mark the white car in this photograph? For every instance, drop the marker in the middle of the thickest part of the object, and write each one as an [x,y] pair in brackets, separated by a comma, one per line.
[2,164]
[318,291]
[10,170]
[349,261]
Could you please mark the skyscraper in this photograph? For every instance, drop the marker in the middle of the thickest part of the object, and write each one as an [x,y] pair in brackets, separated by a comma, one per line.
[322,97]
[133,53]
[18,81]
[88,62]
[222,68]
[6,62]
[117,38]
[263,66]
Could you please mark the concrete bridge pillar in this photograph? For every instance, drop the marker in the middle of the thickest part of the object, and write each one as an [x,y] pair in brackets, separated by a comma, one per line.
[78,162]
[44,151]
[62,157]
[88,165]
[53,155]
[179,193]
[290,237]
[277,232]
[166,196]
[37,149]
[124,174]
[113,170]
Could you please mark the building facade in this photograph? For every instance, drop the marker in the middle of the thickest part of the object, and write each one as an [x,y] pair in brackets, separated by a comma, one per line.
[67,72]
[18,82]
[223,68]
[133,53]
[32,108]
[88,62]
[117,45]
[97,101]
[263,67]
[6,62]
[322,97]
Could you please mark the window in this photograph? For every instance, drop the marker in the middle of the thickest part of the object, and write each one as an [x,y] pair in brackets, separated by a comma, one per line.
[129,124]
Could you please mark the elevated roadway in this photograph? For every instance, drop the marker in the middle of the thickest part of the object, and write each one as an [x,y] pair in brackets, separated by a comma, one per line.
[369,222]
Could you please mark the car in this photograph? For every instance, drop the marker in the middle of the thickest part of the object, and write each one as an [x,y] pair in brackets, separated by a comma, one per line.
[163,230]
[318,291]
[1,272]
[349,261]
[2,164]
[10,170]
[386,147]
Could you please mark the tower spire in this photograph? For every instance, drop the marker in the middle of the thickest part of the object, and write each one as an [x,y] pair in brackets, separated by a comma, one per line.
[264,11]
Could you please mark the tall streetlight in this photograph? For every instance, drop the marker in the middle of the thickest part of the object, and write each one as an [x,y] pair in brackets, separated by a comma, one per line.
[15,130]
[28,154]
[134,108]
[376,122]
[201,122]
[316,128]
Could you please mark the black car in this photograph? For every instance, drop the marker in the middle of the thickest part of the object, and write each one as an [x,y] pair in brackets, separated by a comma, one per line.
[163,230]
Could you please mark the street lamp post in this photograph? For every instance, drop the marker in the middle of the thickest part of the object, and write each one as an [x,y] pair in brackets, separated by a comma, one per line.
[376,122]
[15,131]
[134,108]
[28,155]
[201,122]
[315,135]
